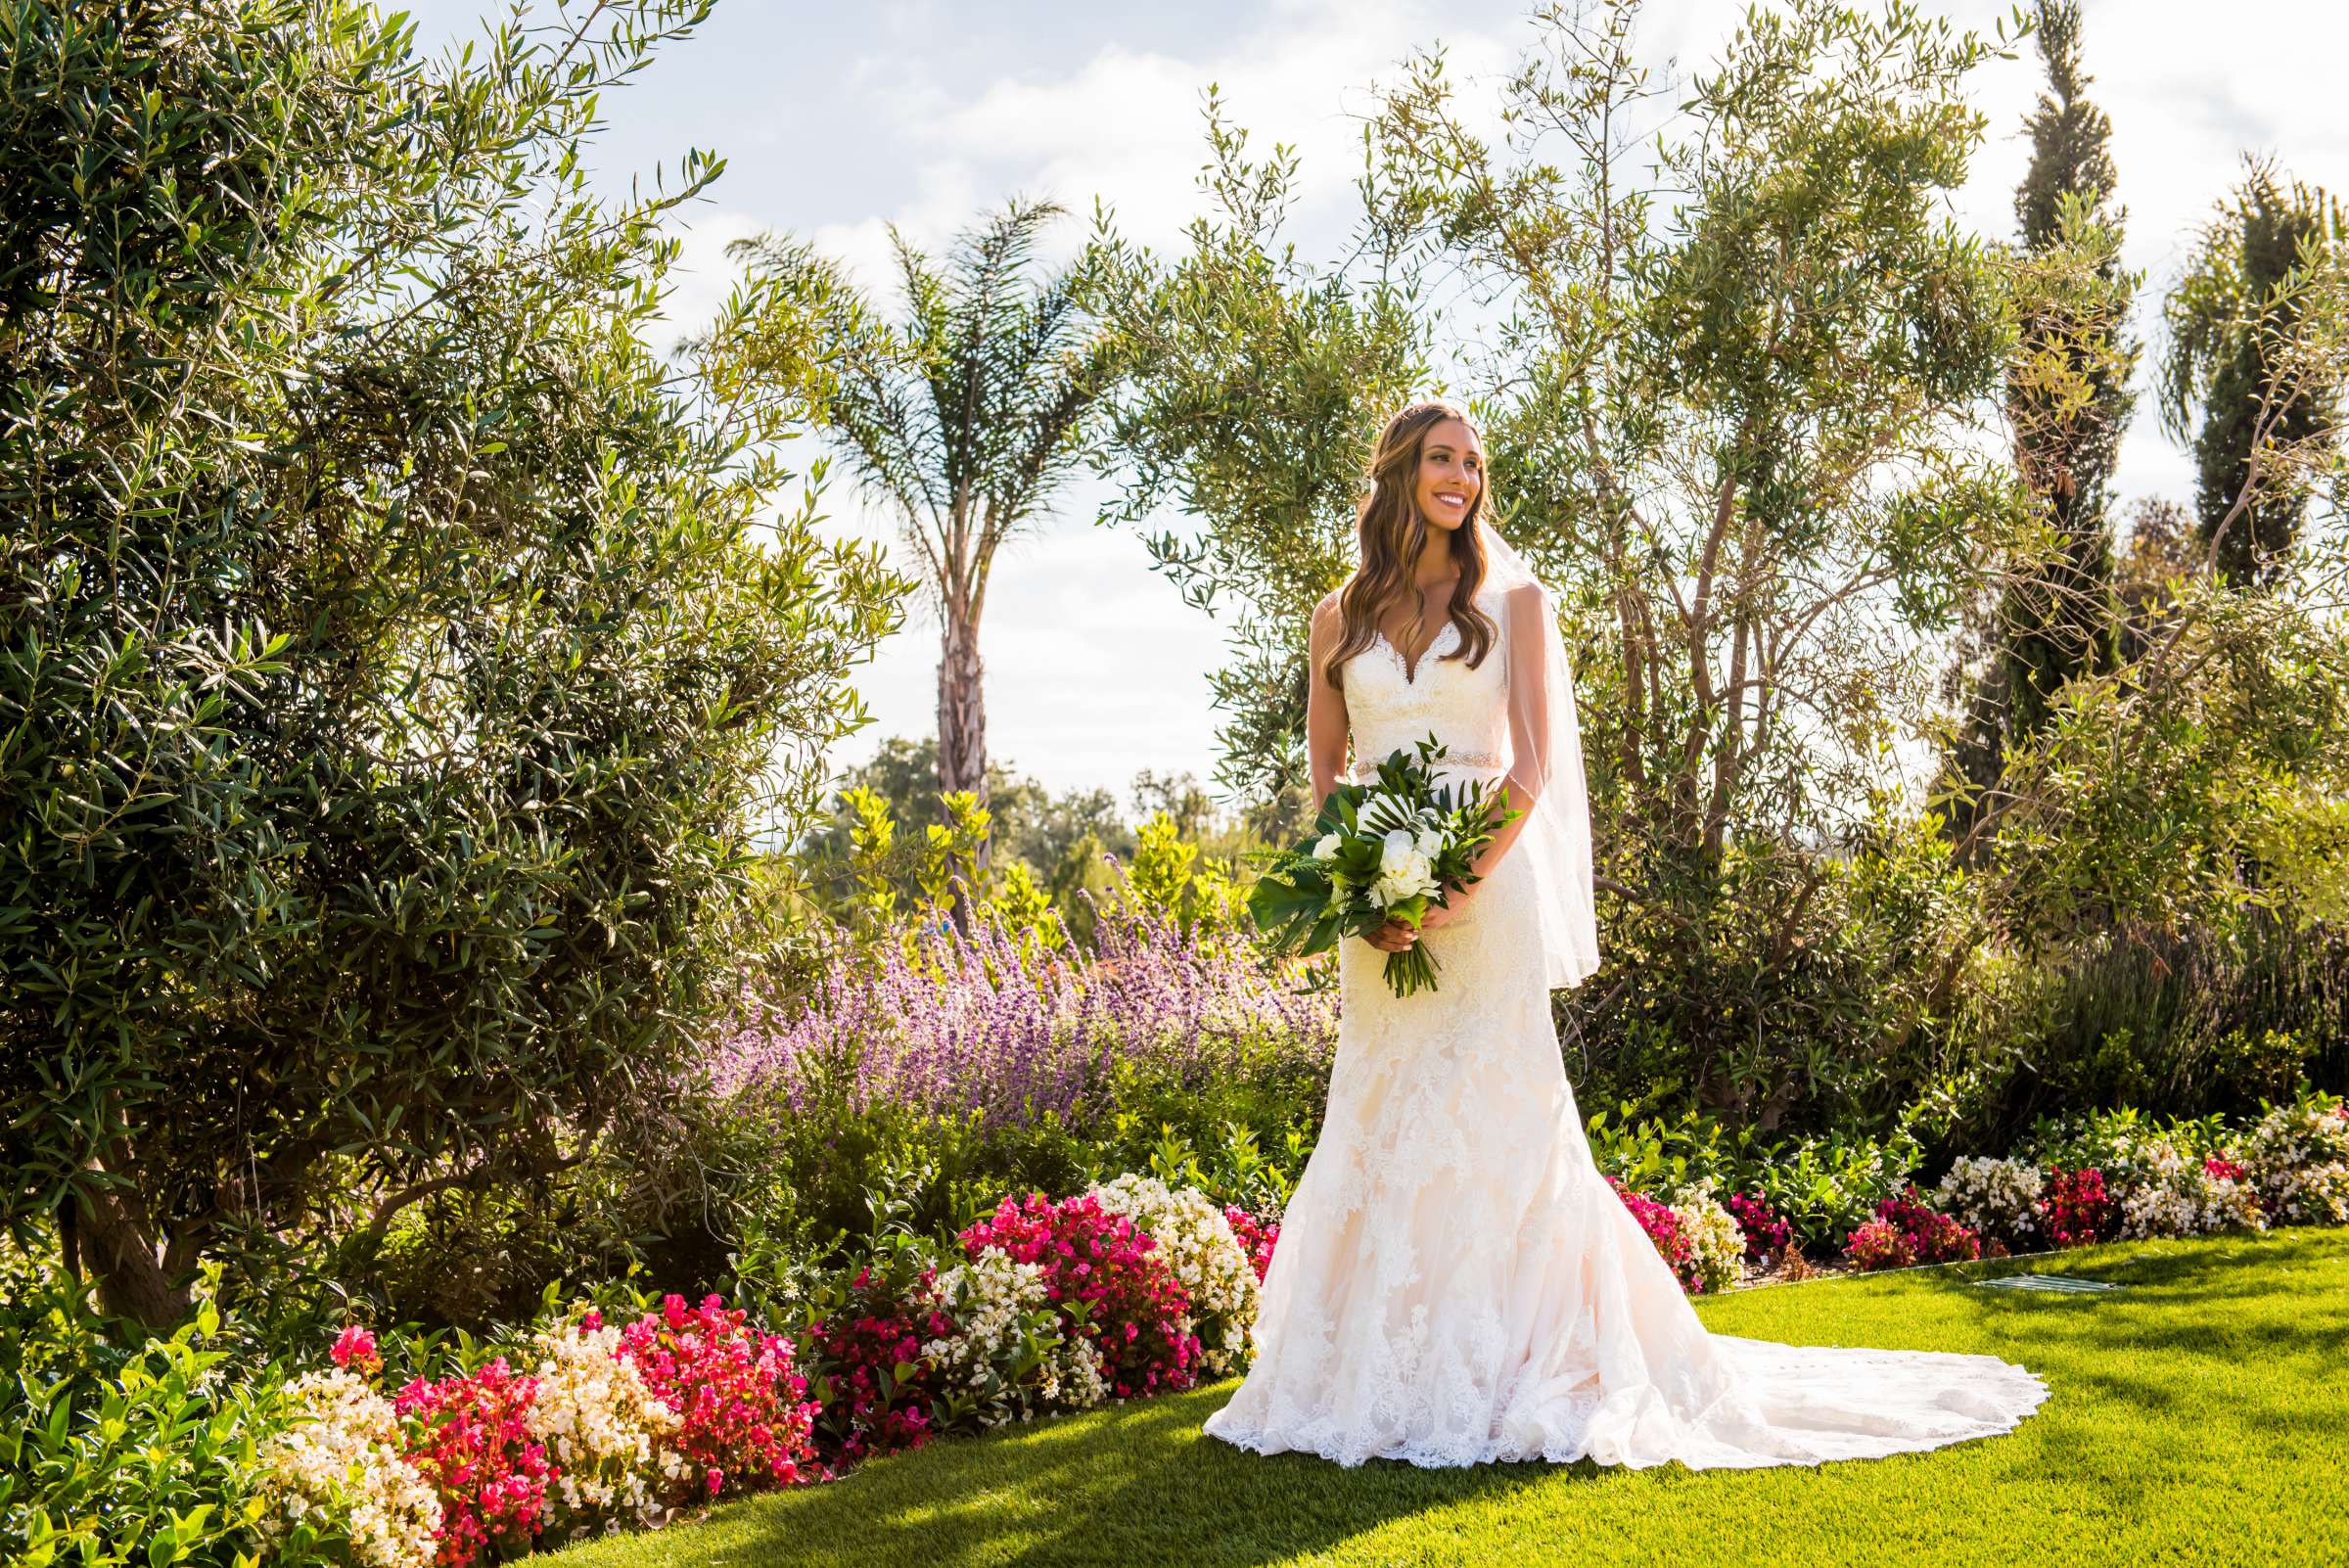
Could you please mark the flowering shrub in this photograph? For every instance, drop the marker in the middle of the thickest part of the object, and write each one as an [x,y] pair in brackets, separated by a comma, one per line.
[473,1446]
[953,1020]
[1256,1237]
[2176,1195]
[337,1469]
[602,1425]
[1880,1244]
[741,1417]
[1196,1239]
[1716,1242]
[876,1383]
[1663,1228]
[2298,1157]
[2077,1209]
[1005,1350]
[1932,1237]
[1998,1198]
[1764,1235]
[1108,1282]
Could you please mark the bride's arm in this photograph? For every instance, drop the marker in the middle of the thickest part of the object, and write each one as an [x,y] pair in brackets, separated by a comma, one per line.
[1325,740]
[1325,704]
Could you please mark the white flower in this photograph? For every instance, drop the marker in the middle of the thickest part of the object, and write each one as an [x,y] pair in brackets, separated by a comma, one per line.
[1002,1310]
[1430,843]
[1196,1239]
[603,1426]
[1325,848]
[2297,1156]
[340,1459]
[1404,870]
[1994,1197]
[1716,1243]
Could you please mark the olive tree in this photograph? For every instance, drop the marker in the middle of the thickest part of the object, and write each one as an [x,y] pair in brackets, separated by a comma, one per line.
[399,662]
[1742,382]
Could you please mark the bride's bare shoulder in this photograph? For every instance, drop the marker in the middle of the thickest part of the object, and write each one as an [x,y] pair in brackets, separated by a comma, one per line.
[1327,616]
[1522,598]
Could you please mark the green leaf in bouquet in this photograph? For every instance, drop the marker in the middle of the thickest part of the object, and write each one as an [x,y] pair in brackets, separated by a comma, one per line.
[1293,916]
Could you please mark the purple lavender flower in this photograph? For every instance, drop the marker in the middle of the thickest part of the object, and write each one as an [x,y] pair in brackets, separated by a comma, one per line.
[948,1021]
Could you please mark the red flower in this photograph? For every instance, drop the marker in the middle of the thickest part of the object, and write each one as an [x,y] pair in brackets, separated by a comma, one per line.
[474,1446]
[2077,1207]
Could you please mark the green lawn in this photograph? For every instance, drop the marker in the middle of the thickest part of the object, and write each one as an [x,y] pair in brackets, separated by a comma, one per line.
[2200,1416]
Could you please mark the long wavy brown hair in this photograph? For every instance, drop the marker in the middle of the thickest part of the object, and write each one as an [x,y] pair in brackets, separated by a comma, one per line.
[1393,533]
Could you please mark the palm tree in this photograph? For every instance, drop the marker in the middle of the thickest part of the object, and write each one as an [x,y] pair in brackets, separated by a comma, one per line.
[964,415]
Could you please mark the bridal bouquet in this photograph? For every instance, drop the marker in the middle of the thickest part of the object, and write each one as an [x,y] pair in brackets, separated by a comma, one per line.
[1379,852]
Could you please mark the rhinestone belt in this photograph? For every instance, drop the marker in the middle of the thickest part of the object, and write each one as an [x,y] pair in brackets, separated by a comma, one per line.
[1367,769]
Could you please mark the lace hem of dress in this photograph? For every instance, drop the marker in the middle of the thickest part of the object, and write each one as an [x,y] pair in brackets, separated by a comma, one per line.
[1784,1404]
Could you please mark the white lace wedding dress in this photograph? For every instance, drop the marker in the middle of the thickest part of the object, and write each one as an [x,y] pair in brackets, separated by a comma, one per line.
[1456,1283]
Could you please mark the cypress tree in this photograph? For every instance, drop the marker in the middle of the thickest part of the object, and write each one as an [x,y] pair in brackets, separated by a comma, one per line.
[2226,316]
[2058,620]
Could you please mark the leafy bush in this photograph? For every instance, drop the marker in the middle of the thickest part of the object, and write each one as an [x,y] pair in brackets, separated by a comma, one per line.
[1826,1188]
[399,660]
[119,1448]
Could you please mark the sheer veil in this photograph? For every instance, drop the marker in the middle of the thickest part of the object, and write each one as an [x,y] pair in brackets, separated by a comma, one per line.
[1546,734]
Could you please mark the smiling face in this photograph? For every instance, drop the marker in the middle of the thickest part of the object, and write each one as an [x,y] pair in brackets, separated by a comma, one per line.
[1451,474]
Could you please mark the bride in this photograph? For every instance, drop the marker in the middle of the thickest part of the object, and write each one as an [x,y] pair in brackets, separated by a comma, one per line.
[1455,1282]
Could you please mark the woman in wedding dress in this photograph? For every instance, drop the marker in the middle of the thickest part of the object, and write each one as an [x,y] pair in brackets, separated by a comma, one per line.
[1455,1282]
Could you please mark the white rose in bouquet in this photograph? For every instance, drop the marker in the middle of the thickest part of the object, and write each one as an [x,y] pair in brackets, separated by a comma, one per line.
[1403,869]
[1325,848]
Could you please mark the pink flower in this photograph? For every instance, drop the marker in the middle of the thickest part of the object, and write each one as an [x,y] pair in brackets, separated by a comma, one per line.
[1135,1302]
[1258,1237]
[472,1445]
[1880,1244]
[1929,1237]
[740,1398]
[1663,1228]
[356,1344]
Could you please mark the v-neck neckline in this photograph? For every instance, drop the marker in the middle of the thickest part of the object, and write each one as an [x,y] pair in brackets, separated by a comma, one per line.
[1411,666]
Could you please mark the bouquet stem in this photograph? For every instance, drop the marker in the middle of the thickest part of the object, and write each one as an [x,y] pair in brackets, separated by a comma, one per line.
[1413,969]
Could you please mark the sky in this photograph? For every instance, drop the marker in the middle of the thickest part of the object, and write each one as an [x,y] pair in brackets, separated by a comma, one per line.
[836,121]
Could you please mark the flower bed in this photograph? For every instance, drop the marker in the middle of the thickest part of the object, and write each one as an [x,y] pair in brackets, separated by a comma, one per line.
[1134,1286]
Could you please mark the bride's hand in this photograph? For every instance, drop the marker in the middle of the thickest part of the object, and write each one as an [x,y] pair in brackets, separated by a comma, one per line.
[1393,937]
[1439,915]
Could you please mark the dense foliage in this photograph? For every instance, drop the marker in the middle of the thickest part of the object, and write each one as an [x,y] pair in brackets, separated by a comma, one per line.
[1789,437]
[395,669]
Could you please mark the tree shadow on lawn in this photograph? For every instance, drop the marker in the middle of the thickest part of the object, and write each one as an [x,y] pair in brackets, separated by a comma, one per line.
[1140,1485]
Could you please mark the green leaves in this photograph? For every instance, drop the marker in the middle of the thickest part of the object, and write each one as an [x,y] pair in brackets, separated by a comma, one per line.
[400,666]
